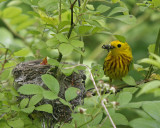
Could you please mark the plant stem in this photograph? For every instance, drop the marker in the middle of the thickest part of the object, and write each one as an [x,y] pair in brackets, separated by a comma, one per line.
[94,83]
[5,61]
[81,37]
[71,28]
[156,51]
[72,24]
[59,10]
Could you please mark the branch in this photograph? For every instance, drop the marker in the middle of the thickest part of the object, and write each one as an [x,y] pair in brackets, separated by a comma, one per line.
[81,37]
[156,51]
[94,83]
[102,102]
[5,61]
[59,10]
[72,24]
[70,30]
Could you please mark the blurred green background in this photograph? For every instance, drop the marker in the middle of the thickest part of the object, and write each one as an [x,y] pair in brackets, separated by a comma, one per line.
[139,35]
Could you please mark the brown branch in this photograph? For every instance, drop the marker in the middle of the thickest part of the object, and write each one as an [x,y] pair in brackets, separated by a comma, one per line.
[70,30]
[72,23]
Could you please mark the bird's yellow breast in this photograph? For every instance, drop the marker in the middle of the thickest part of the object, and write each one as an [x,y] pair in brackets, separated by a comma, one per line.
[116,64]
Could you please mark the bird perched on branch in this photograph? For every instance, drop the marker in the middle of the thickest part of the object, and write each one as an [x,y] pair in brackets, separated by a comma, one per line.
[117,62]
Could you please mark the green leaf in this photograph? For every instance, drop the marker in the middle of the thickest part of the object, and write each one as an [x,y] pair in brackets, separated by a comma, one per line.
[79,51]
[81,119]
[84,29]
[96,120]
[117,10]
[120,38]
[77,43]
[68,126]
[149,86]
[71,93]
[45,108]
[64,102]
[150,61]
[129,80]
[132,105]
[28,110]
[34,32]
[96,29]
[6,39]
[25,24]
[156,57]
[19,19]
[115,1]
[63,24]
[53,62]
[90,6]
[29,89]
[124,98]
[143,123]
[35,99]
[51,83]
[24,102]
[67,72]
[128,19]
[65,49]
[152,109]
[61,37]
[102,8]
[156,3]
[151,48]
[15,108]
[52,42]
[91,101]
[16,123]
[130,89]
[23,52]
[27,2]
[5,74]
[4,124]
[49,95]
[49,5]
[119,119]
[11,12]
[97,71]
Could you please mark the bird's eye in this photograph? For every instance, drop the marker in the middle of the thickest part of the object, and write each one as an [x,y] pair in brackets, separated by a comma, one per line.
[119,45]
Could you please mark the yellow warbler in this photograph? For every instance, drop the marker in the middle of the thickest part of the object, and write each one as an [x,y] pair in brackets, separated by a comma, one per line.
[116,64]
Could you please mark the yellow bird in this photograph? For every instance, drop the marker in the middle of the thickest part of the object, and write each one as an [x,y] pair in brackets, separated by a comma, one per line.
[116,63]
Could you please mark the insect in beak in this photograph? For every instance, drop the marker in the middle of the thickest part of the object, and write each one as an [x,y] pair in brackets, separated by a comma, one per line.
[108,47]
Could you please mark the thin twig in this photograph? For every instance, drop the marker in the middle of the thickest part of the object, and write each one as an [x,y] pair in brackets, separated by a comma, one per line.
[5,61]
[102,123]
[70,30]
[102,102]
[81,37]
[94,83]
[72,23]
[59,10]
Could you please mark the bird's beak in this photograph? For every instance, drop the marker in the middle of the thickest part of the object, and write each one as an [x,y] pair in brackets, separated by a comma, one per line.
[108,47]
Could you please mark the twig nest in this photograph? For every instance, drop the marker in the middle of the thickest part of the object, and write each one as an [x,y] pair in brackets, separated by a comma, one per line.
[30,73]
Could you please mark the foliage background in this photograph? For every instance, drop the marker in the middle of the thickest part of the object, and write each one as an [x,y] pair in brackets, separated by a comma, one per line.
[28,29]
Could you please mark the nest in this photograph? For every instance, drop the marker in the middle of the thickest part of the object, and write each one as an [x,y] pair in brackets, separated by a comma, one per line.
[30,73]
